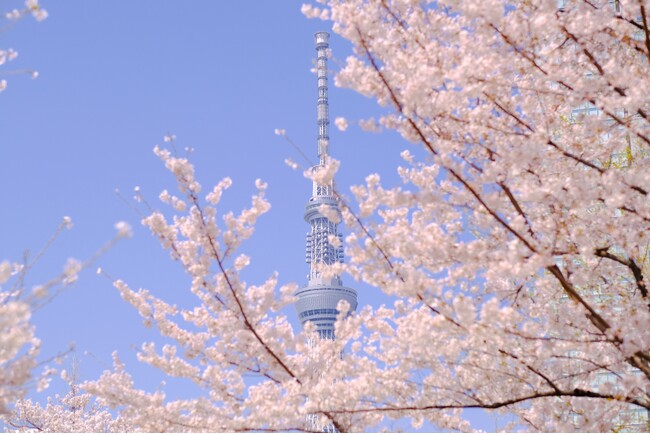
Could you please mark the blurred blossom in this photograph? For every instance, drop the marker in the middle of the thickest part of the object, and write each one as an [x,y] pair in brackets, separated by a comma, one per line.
[5,271]
[13,15]
[71,271]
[341,124]
[123,229]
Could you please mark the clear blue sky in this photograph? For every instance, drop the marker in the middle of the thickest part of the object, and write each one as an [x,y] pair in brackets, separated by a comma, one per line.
[115,77]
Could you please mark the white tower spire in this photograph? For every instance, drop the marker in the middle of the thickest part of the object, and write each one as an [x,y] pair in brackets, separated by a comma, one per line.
[318,301]
[322,48]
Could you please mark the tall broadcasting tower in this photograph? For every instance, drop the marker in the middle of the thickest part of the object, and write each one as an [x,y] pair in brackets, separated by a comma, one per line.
[318,300]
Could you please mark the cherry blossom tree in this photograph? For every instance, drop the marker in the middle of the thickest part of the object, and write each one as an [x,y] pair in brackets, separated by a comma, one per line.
[516,248]
[519,244]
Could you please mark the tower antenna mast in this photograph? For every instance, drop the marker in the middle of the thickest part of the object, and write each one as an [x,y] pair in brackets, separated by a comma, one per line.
[323,116]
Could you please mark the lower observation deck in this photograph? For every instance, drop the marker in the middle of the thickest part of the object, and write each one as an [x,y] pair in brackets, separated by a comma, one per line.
[318,302]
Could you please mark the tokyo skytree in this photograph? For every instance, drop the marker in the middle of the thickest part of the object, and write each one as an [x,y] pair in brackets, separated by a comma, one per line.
[317,301]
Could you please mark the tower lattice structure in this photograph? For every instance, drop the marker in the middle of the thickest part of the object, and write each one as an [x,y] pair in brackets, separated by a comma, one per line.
[318,300]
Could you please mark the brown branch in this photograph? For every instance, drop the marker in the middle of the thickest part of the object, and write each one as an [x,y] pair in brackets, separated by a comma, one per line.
[531,369]
[576,393]
[586,52]
[644,19]
[638,360]
[509,112]
[593,316]
[621,122]
[633,211]
[337,425]
[515,204]
[603,252]
[518,50]
[575,157]
[31,425]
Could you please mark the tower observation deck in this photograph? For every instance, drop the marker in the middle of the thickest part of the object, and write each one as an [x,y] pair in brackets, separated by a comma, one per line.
[318,300]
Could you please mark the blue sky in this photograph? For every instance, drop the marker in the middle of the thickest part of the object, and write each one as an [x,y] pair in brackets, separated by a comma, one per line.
[115,77]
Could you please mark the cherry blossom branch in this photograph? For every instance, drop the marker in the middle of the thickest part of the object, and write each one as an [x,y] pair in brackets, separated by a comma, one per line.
[29,425]
[429,146]
[385,257]
[532,61]
[564,152]
[601,72]
[639,359]
[215,254]
[233,291]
